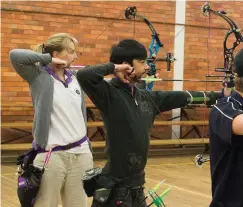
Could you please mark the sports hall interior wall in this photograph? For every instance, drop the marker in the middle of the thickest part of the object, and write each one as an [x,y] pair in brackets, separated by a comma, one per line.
[25,24]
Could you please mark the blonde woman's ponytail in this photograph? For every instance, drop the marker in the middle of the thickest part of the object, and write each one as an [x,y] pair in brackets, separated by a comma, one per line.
[39,48]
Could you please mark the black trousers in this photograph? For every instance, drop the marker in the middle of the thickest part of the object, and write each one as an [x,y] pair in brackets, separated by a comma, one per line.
[124,197]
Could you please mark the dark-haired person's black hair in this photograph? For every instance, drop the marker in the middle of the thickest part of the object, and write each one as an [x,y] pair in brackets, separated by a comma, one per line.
[239,63]
[126,51]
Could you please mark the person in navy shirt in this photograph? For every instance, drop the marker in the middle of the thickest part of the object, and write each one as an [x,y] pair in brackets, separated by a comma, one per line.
[226,144]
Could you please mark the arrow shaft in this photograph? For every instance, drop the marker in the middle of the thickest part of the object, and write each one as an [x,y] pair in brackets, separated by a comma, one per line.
[185,80]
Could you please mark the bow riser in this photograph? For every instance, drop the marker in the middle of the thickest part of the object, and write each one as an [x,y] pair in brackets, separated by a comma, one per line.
[228,52]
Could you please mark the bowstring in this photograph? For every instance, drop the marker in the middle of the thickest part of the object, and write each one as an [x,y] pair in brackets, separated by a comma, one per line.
[208,68]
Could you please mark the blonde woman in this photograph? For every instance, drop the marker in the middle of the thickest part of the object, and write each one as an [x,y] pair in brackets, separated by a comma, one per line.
[59,119]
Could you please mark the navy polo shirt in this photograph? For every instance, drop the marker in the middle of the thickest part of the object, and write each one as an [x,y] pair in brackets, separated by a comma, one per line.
[226,153]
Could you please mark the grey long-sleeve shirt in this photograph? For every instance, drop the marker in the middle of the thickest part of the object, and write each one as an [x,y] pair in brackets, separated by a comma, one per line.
[29,65]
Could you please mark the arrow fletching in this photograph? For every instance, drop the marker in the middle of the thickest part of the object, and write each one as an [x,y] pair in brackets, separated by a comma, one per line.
[165,193]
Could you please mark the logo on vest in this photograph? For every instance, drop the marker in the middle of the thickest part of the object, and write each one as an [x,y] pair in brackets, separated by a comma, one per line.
[77,91]
[134,160]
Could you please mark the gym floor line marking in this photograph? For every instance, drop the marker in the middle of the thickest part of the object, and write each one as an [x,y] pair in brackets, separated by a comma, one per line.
[11,180]
[181,189]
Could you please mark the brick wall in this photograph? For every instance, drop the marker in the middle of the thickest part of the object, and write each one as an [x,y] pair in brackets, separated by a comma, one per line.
[25,24]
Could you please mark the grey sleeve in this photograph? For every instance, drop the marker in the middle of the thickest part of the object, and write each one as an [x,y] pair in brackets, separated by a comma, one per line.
[26,63]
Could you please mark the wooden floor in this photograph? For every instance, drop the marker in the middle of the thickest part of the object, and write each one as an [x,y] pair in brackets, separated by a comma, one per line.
[191,185]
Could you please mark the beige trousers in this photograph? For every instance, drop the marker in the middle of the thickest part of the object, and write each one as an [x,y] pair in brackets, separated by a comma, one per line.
[62,179]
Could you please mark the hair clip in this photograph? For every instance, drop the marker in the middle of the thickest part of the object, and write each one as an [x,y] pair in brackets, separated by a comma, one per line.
[43,48]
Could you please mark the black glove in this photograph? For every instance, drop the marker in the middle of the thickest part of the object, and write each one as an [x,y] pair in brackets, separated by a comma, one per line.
[213,97]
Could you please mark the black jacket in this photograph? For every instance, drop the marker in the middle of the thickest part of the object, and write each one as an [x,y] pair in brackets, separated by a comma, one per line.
[226,153]
[128,118]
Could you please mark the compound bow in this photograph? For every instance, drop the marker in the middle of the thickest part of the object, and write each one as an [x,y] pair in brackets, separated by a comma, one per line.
[154,47]
[228,51]
[228,68]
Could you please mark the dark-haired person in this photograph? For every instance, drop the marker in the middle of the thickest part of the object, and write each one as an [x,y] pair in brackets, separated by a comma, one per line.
[128,114]
[226,144]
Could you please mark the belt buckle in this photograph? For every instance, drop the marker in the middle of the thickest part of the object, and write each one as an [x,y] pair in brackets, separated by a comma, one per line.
[122,192]
[68,146]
